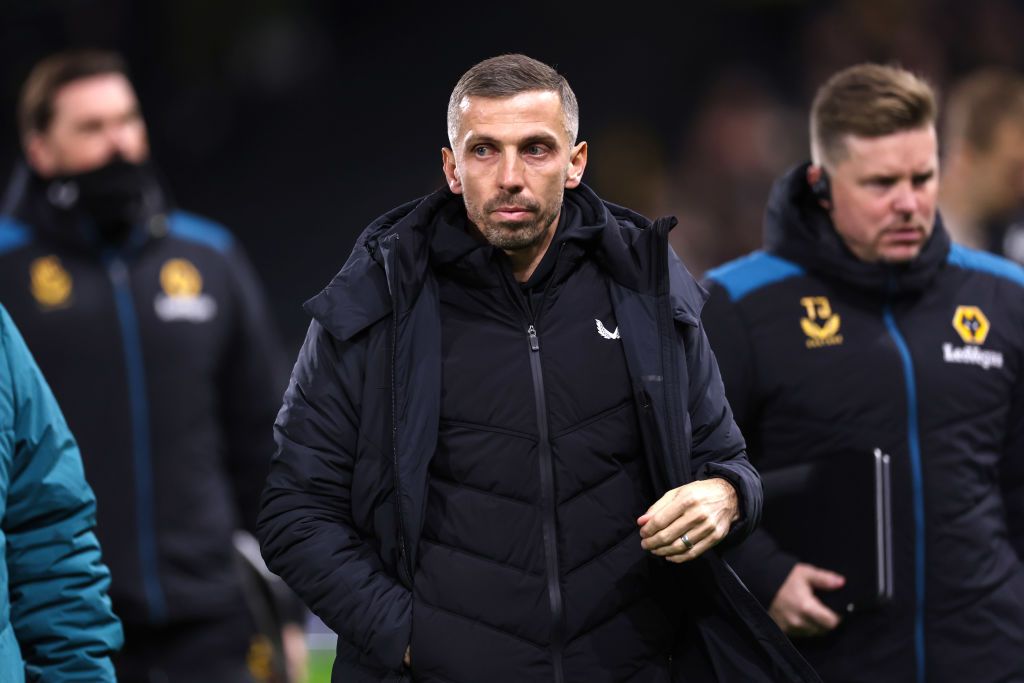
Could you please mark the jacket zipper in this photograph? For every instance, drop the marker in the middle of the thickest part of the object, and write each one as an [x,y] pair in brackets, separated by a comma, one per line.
[917,478]
[547,489]
[118,273]
[545,462]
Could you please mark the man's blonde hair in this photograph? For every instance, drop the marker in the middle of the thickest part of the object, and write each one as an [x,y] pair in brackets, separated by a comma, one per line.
[867,100]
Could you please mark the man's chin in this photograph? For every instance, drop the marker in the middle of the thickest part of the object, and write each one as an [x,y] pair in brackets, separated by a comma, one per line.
[901,253]
[514,237]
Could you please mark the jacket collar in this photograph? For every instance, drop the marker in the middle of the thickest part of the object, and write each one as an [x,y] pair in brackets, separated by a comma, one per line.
[25,199]
[798,229]
[622,241]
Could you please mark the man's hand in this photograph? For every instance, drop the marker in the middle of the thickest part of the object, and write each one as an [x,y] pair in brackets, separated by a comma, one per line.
[702,510]
[407,659]
[796,609]
[296,655]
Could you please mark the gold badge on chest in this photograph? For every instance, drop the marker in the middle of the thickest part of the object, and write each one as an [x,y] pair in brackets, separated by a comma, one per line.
[971,324]
[821,323]
[179,278]
[182,298]
[51,285]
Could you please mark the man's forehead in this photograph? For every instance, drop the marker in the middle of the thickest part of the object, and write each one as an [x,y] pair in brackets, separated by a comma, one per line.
[94,95]
[894,152]
[538,107]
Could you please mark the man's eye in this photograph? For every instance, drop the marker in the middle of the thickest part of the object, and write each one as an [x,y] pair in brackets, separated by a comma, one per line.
[535,150]
[90,127]
[481,150]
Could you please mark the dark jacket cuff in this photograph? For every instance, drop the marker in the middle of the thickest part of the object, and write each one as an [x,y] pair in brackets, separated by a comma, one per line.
[748,499]
[389,647]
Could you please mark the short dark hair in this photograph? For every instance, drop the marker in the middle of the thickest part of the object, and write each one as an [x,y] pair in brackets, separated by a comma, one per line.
[509,75]
[35,103]
[867,100]
[980,102]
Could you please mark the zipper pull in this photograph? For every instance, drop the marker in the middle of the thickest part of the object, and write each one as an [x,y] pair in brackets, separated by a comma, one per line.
[534,342]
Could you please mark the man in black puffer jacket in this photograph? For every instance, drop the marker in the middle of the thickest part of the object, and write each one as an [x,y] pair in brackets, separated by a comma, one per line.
[495,388]
[861,327]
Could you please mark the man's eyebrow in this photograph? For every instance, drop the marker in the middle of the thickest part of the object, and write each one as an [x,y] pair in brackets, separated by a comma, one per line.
[893,178]
[477,139]
[532,138]
[887,178]
[545,138]
[88,123]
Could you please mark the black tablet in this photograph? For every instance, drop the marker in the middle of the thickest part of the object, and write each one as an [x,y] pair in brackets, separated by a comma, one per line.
[836,514]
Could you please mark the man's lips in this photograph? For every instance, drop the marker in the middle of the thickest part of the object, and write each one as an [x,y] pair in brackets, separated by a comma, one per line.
[904,234]
[511,212]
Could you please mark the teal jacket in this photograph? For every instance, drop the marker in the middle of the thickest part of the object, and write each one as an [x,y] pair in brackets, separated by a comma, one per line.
[56,623]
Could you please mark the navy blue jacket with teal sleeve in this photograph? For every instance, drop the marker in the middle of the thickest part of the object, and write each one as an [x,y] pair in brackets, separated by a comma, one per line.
[164,359]
[823,354]
[56,622]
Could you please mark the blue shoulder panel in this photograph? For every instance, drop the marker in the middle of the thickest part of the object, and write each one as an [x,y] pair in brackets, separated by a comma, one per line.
[195,228]
[972,259]
[752,272]
[12,234]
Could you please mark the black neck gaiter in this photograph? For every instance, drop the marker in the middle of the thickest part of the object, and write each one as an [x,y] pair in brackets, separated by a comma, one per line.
[115,196]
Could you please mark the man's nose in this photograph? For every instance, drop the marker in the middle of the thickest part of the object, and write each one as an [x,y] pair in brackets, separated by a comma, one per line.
[118,141]
[511,172]
[906,200]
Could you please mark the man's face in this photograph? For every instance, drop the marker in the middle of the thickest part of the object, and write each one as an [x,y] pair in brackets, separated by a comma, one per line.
[884,194]
[511,163]
[94,119]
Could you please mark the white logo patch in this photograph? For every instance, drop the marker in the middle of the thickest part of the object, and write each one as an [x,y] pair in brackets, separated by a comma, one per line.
[972,355]
[603,331]
[195,309]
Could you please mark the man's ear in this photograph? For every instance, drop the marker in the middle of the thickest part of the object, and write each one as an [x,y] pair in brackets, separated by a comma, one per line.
[451,171]
[821,188]
[39,155]
[577,164]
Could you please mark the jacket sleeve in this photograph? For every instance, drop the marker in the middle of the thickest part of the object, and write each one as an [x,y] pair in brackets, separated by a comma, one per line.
[305,525]
[759,561]
[57,583]
[718,449]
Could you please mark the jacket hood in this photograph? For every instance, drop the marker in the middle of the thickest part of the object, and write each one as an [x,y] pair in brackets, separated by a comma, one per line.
[623,242]
[798,229]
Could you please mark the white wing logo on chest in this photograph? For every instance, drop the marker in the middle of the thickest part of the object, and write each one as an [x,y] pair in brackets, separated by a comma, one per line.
[603,331]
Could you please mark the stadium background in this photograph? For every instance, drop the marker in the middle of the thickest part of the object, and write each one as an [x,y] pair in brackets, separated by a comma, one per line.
[296,122]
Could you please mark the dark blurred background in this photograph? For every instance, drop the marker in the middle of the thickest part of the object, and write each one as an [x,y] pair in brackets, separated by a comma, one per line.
[297,122]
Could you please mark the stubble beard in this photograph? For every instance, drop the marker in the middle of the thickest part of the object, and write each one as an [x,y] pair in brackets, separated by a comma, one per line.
[908,250]
[513,235]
